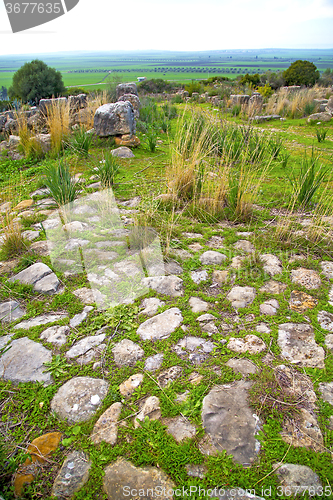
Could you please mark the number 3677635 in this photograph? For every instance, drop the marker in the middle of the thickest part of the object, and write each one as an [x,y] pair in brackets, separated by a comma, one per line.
[33,8]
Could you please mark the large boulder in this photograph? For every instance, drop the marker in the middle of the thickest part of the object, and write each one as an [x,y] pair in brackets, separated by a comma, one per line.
[134,100]
[322,117]
[126,88]
[239,99]
[45,104]
[76,102]
[329,107]
[114,119]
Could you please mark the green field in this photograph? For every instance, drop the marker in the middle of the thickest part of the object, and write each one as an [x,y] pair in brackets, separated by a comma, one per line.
[90,68]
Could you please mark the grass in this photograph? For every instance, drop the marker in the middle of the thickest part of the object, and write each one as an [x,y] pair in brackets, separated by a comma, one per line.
[107,170]
[222,168]
[63,187]
[58,122]
[308,180]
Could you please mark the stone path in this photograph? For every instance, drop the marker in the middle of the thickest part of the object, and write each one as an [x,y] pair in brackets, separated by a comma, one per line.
[196,329]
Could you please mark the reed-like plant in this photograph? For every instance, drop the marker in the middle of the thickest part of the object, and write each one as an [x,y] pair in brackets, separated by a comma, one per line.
[80,141]
[107,170]
[29,145]
[321,134]
[62,185]
[58,121]
[308,180]
[13,243]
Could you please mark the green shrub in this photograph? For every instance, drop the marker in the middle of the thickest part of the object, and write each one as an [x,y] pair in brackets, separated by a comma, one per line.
[321,134]
[62,185]
[81,141]
[107,170]
[309,179]
[309,108]
[151,139]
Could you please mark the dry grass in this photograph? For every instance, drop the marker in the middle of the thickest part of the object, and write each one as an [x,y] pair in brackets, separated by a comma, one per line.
[13,243]
[58,123]
[28,143]
[94,103]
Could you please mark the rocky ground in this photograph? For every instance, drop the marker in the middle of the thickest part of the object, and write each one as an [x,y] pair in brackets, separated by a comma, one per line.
[206,356]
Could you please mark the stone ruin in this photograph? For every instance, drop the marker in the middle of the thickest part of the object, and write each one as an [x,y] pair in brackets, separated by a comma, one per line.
[112,119]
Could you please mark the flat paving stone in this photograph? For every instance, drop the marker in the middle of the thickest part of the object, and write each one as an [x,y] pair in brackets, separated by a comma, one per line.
[170,375]
[123,473]
[327,268]
[245,246]
[326,389]
[72,476]
[212,257]
[25,362]
[273,287]
[241,296]
[198,305]
[151,409]
[173,268]
[127,353]
[199,276]
[325,319]
[79,318]
[230,422]
[180,428]
[11,311]
[154,363]
[106,428]
[269,307]
[165,285]
[40,320]
[32,274]
[297,479]
[49,285]
[306,277]
[243,366]
[56,335]
[298,345]
[215,242]
[251,344]
[127,388]
[272,265]
[161,326]
[79,399]
[84,345]
[151,305]
[301,301]
[195,349]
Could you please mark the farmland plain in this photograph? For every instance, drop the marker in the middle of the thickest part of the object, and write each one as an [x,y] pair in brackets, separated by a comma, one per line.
[91,69]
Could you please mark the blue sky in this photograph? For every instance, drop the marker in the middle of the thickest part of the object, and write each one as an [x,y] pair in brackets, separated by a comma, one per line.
[177,25]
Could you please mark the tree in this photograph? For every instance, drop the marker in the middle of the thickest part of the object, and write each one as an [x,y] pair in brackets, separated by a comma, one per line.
[301,73]
[35,81]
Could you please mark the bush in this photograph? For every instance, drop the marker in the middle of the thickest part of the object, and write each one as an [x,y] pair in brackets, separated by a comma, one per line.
[308,181]
[81,141]
[107,170]
[155,86]
[62,185]
[35,81]
[193,87]
[301,73]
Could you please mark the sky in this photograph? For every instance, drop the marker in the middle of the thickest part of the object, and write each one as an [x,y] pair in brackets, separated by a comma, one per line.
[176,25]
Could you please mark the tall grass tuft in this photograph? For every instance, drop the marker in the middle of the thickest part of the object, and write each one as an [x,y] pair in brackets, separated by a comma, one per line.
[58,121]
[306,183]
[13,243]
[81,141]
[107,170]
[321,134]
[63,187]
[29,145]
